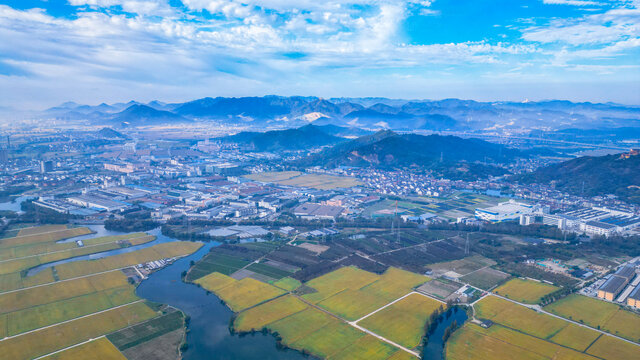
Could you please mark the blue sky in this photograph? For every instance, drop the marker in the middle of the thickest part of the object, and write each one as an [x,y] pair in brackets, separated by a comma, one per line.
[92,51]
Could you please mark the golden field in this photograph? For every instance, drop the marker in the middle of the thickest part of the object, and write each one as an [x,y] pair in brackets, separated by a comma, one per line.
[403,322]
[525,291]
[593,312]
[100,349]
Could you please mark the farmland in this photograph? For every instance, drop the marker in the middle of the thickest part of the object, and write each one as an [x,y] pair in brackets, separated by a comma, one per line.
[100,349]
[403,322]
[239,294]
[313,318]
[316,181]
[522,327]
[525,290]
[595,313]
[68,304]
[47,340]
[499,343]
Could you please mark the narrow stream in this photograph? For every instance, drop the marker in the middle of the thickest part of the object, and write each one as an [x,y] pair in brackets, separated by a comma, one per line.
[435,346]
[157,232]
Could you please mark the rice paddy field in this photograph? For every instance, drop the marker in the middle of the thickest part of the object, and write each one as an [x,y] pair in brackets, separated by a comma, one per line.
[316,322]
[100,349]
[260,316]
[472,342]
[43,237]
[525,290]
[288,284]
[519,326]
[156,252]
[45,341]
[593,312]
[71,303]
[295,178]
[518,317]
[403,322]
[239,294]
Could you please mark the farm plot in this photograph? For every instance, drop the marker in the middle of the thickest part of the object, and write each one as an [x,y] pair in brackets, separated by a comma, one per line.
[485,279]
[33,230]
[140,333]
[463,266]
[337,281]
[440,288]
[156,252]
[264,314]
[403,322]
[43,237]
[100,349]
[518,317]
[525,290]
[417,258]
[53,292]
[288,284]
[267,270]
[472,342]
[366,348]
[50,339]
[329,340]
[240,294]
[214,262]
[321,181]
[596,313]
[607,347]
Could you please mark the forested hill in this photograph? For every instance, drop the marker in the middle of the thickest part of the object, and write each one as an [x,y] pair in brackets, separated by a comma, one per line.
[590,176]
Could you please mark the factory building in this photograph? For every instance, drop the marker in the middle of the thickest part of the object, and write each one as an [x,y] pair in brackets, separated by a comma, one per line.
[616,283]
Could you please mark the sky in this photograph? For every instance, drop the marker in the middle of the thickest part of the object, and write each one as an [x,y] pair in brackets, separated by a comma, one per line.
[93,51]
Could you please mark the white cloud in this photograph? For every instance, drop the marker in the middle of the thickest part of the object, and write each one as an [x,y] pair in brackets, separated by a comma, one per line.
[572,2]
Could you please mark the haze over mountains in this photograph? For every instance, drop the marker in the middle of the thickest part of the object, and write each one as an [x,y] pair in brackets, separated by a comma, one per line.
[370,113]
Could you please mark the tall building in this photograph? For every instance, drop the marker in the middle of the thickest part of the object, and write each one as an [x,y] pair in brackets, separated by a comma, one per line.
[46,166]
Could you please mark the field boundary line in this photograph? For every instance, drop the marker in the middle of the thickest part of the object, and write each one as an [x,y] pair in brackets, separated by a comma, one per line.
[70,249]
[383,307]
[70,279]
[351,323]
[538,309]
[428,296]
[70,320]
[70,347]
[593,342]
[49,232]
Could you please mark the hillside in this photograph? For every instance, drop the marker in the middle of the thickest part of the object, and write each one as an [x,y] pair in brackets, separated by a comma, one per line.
[448,156]
[144,115]
[591,176]
[306,137]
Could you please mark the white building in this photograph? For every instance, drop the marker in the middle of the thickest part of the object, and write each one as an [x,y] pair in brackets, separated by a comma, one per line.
[510,210]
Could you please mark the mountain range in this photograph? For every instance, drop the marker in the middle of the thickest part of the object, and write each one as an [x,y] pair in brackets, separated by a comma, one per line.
[305,137]
[369,113]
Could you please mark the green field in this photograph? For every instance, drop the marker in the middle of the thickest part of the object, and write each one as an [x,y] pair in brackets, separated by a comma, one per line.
[403,322]
[597,313]
[137,334]
[270,271]
[525,291]
[294,178]
[288,284]
[214,262]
